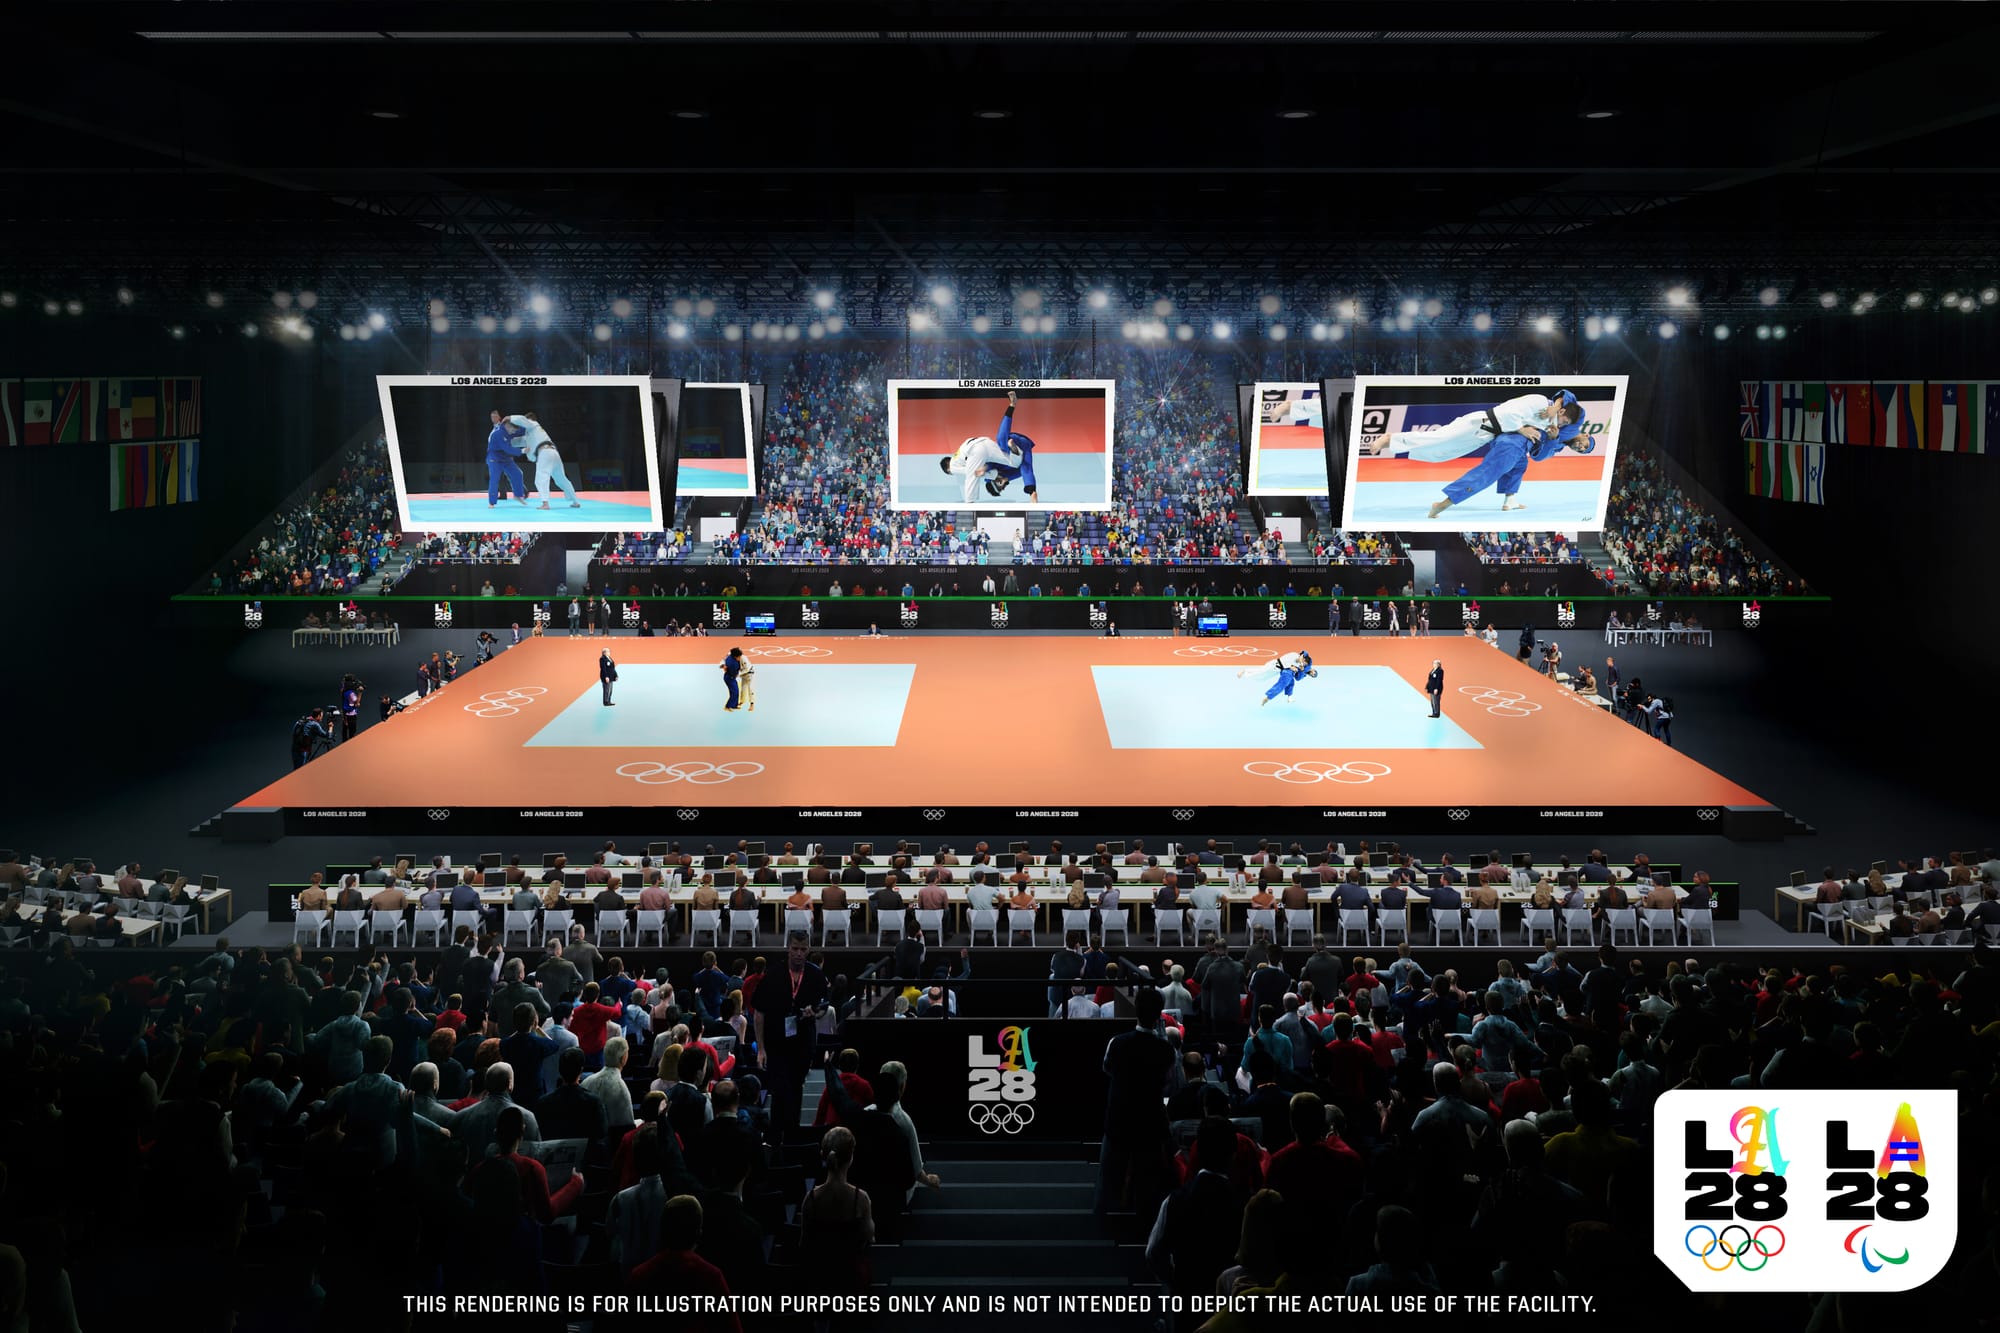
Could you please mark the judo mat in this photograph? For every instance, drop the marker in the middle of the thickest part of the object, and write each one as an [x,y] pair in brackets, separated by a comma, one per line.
[973,732]
[611,510]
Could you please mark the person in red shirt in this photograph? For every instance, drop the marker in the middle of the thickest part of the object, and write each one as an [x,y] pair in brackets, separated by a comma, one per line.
[1524,1095]
[1318,1169]
[1346,1063]
[453,1017]
[589,1019]
[678,1271]
[535,1197]
[846,1066]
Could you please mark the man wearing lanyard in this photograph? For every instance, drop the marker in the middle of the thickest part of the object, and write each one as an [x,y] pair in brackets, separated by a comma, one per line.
[786,1012]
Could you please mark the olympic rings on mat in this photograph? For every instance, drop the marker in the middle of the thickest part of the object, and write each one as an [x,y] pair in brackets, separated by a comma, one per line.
[1718,1241]
[1307,771]
[505,703]
[1001,1117]
[1501,703]
[1225,650]
[788,651]
[695,772]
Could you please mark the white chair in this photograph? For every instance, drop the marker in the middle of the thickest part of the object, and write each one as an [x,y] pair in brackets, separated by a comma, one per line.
[1393,921]
[1166,919]
[1621,918]
[895,923]
[1698,920]
[556,923]
[1882,904]
[743,923]
[1825,915]
[466,918]
[513,923]
[13,937]
[836,921]
[1573,920]
[1927,937]
[175,919]
[1537,918]
[1020,920]
[1449,921]
[1206,922]
[1484,920]
[1991,934]
[427,922]
[1954,938]
[385,923]
[1113,921]
[1654,920]
[350,923]
[617,924]
[987,920]
[652,920]
[931,920]
[1353,919]
[126,906]
[310,927]
[1902,941]
[798,921]
[1261,918]
[1296,924]
[1076,921]
[705,922]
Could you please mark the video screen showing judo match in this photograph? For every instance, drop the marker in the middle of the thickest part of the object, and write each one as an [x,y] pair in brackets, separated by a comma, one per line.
[716,457]
[1482,453]
[522,453]
[1000,444]
[1287,440]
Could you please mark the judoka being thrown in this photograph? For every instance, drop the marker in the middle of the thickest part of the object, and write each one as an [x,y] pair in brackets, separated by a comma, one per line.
[996,462]
[1291,669]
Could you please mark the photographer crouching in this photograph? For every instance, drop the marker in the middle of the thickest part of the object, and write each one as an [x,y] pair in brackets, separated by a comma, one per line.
[310,737]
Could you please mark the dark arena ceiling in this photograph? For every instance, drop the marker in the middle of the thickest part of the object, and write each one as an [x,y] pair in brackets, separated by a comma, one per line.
[757,151]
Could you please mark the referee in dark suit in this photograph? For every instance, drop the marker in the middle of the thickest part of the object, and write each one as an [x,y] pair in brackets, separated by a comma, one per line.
[607,672]
[1434,686]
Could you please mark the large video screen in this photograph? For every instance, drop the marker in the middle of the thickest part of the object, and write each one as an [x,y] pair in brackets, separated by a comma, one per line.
[1000,444]
[1480,453]
[1287,440]
[716,453]
[519,453]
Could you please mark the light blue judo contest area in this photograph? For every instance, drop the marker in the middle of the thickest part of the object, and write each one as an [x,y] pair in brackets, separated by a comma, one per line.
[1391,504]
[1208,708]
[511,517]
[679,705]
[690,473]
[1299,468]
[1061,480]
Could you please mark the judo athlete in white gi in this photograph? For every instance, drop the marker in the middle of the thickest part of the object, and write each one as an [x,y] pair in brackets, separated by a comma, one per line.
[746,684]
[1461,435]
[994,462]
[1289,667]
[536,444]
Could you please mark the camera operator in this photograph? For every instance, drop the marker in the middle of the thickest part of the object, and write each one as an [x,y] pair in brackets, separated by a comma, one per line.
[309,737]
[350,706]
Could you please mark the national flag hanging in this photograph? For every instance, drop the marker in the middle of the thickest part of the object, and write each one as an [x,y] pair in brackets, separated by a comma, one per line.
[1948,419]
[72,404]
[1899,417]
[180,408]
[147,475]
[1791,410]
[1813,457]
[1815,414]
[1850,414]
[1785,470]
[1986,419]
[1754,412]
[38,405]
[10,412]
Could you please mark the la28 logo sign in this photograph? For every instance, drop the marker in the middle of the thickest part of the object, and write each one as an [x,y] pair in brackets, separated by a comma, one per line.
[1371,617]
[1848,1190]
[718,614]
[1000,1083]
[631,615]
[997,614]
[1753,615]
[441,615]
[253,615]
[809,617]
[909,615]
[543,615]
[1275,613]
[1099,617]
[1468,613]
[1566,615]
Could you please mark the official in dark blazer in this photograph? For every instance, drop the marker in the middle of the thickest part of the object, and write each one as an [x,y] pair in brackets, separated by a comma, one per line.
[607,672]
[788,997]
[1434,686]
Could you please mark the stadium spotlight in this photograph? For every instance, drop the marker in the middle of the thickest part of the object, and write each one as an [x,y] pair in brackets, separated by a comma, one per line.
[214,300]
[8,300]
[816,330]
[791,333]
[823,299]
[1129,329]
[487,323]
[1914,300]
[1866,300]
[1163,307]
[1408,307]
[705,308]
[384,113]
[1099,299]
[511,324]
[1278,333]
[1545,323]
[941,294]
[981,324]
[1220,328]
[539,304]
[602,332]
[759,329]
[305,333]
[621,308]
[732,333]
[308,299]
[51,307]
[1482,321]
[1967,306]
[690,113]
[1269,304]
[439,324]
[1336,333]
[1612,324]
[1986,297]
[919,321]
[1319,332]
[1030,300]
[249,330]
[436,307]
[1722,333]
[177,332]
[124,296]
[1593,328]
[1857,309]
[834,323]
[993,113]
[1778,332]
[1828,300]
[1598,113]
[1348,310]
[73,306]
[1676,296]
[377,320]
[1668,328]
[1297,113]
[1185,332]
[1433,308]
[1950,300]
[1764,332]
[282,300]
[362,333]
[1406,322]
[347,333]
[682,308]
[1768,296]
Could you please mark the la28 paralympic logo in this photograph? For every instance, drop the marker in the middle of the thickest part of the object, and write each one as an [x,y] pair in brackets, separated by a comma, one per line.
[1847,1190]
[908,615]
[1000,1083]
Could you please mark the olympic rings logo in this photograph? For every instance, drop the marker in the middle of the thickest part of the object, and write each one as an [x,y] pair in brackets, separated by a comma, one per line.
[695,772]
[1225,650]
[1183,815]
[1352,772]
[1001,1117]
[438,815]
[1458,813]
[933,814]
[505,703]
[689,815]
[1752,1240]
[1708,812]
[1501,703]
[788,652]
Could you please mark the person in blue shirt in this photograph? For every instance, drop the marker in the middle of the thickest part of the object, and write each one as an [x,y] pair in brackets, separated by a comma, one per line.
[732,669]
[1007,457]
[503,457]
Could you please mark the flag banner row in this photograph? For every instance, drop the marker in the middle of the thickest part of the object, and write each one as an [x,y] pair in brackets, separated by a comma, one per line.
[1785,470]
[90,411]
[1951,417]
[163,472]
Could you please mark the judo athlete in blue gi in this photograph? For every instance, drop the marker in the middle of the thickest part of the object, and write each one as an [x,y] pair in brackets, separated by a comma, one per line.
[1508,455]
[1007,457]
[732,671]
[1287,677]
[503,453]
